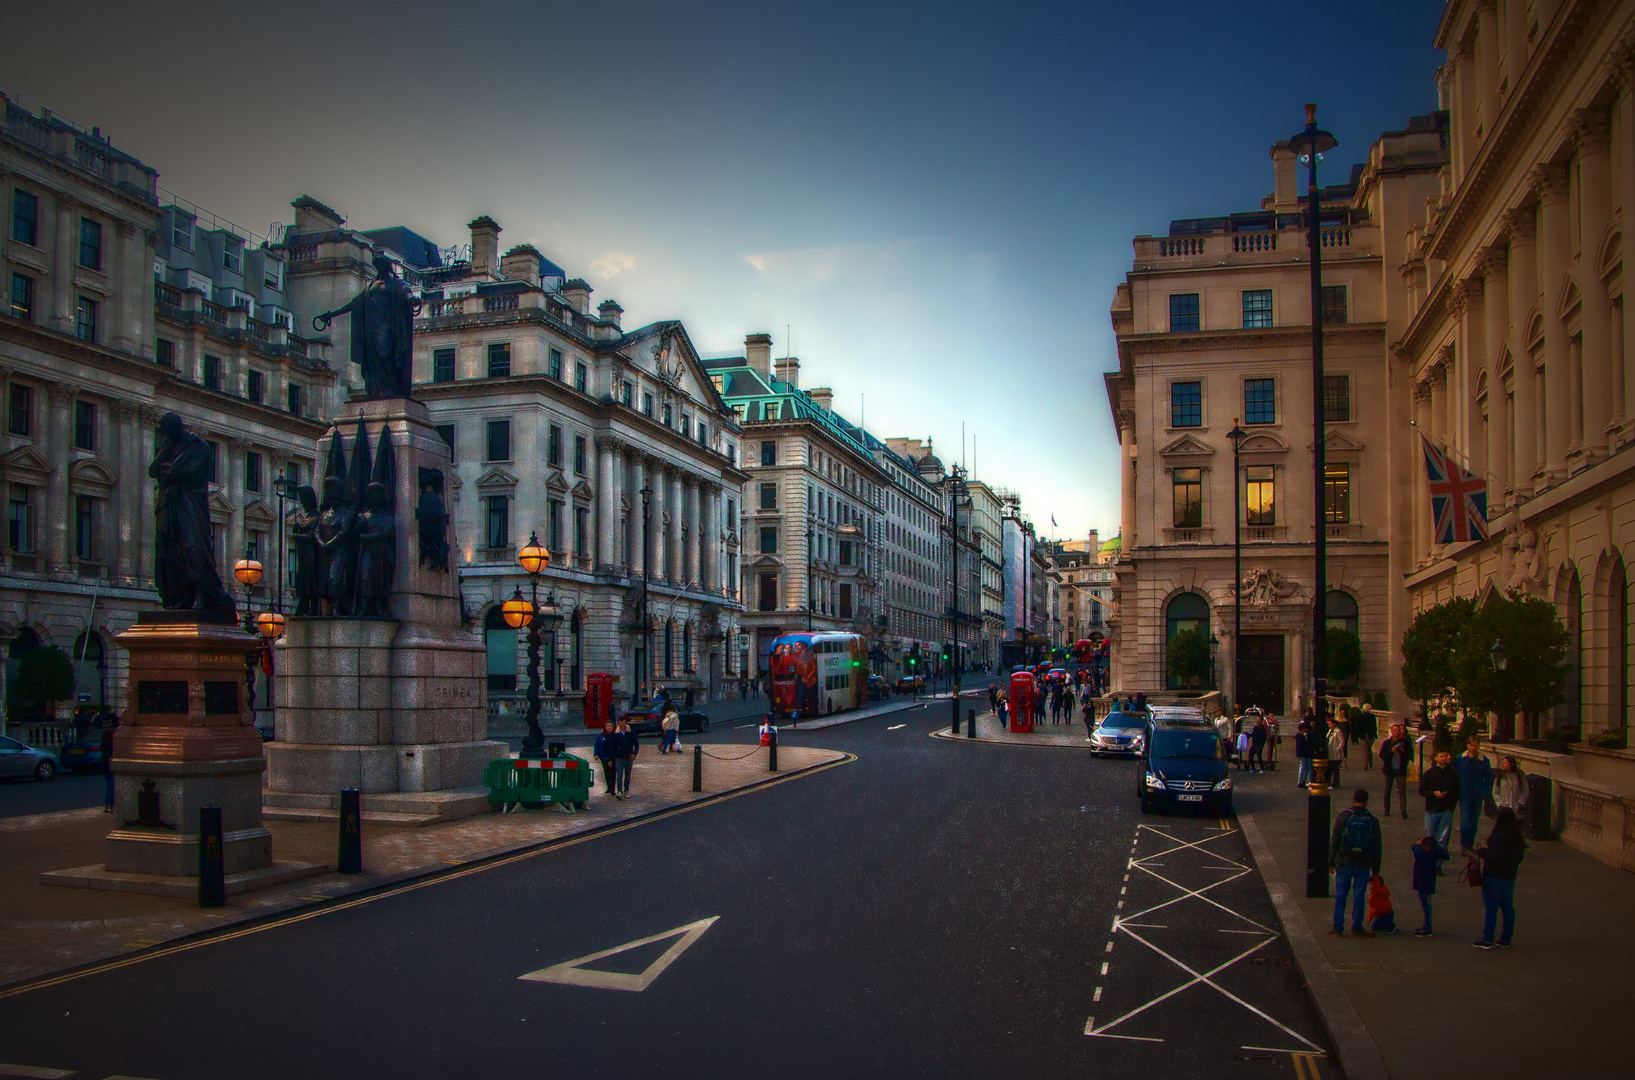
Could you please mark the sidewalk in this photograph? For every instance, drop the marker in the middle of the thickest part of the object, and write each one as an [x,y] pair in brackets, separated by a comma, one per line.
[1438,1009]
[990,730]
[45,929]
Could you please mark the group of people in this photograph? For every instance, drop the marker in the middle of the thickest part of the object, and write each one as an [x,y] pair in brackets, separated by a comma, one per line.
[1251,734]
[1331,741]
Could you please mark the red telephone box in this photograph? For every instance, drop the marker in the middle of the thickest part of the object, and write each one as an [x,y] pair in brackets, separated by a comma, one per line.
[598,699]
[1021,701]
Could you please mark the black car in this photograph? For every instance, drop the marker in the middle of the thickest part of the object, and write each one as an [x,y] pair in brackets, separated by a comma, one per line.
[1182,766]
[644,719]
[1119,733]
[81,755]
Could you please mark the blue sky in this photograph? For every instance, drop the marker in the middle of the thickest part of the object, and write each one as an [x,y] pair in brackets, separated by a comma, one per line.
[936,199]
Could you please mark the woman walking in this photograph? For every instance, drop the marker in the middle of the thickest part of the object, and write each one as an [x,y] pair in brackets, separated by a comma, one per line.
[1510,786]
[671,726]
[1501,858]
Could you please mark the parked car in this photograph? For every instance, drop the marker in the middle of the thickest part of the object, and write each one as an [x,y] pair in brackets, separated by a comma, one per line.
[81,755]
[644,719]
[910,684]
[1119,733]
[1182,765]
[19,760]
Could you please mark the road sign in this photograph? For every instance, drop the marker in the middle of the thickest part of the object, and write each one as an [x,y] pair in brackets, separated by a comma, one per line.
[575,973]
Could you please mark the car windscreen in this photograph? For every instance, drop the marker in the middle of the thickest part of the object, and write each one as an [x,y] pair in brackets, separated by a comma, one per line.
[1124,720]
[1186,744]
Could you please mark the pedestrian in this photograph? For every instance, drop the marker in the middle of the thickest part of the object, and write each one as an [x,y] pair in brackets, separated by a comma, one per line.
[1068,701]
[1039,708]
[1510,785]
[1257,745]
[1395,753]
[626,746]
[1382,917]
[106,745]
[1001,709]
[1439,784]
[1354,851]
[1475,784]
[1428,857]
[1305,752]
[993,696]
[604,749]
[670,725]
[1501,858]
[1342,720]
[743,689]
[1243,745]
[1336,752]
[1365,728]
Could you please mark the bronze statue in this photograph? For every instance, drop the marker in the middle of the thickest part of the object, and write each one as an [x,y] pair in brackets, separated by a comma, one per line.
[337,543]
[382,332]
[184,552]
[377,555]
[431,515]
[303,527]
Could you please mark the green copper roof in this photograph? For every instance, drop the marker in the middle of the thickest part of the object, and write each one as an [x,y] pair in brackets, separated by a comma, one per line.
[764,398]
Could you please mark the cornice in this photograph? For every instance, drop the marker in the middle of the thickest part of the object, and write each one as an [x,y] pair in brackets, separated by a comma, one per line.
[1210,340]
[149,210]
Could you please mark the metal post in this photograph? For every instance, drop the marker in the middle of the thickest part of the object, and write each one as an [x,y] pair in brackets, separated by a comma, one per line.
[953,545]
[772,752]
[698,768]
[970,723]
[645,676]
[1317,808]
[1236,435]
[535,739]
[212,865]
[349,845]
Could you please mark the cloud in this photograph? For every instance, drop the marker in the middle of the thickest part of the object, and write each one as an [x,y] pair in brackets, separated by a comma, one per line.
[799,264]
[612,265]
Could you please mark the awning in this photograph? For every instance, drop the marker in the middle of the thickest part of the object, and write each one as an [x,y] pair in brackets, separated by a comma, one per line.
[878,656]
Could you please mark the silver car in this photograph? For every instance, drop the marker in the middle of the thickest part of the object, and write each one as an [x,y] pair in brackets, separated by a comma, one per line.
[19,760]
[1119,733]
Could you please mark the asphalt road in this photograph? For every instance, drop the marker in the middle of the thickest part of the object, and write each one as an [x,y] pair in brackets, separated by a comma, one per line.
[933,909]
[66,791]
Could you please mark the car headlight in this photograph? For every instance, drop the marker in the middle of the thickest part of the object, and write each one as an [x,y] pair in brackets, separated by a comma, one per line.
[1224,785]
[1154,782]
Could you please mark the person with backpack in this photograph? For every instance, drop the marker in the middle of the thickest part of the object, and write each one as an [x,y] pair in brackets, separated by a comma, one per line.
[1355,852]
[1501,858]
[1475,785]
[1439,784]
[1395,754]
[1428,855]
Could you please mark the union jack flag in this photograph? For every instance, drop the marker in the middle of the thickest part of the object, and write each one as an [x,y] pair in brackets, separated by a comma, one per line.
[1458,498]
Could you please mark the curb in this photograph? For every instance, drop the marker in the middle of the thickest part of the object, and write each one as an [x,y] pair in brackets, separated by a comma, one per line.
[267,918]
[944,733]
[1356,1052]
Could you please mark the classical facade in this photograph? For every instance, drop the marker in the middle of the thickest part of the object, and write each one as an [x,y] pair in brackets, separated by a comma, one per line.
[1085,585]
[1026,602]
[107,328]
[987,527]
[1214,334]
[612,447]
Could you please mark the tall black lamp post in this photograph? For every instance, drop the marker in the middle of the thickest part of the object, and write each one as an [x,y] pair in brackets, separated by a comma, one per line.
[956,492]
[286,490]
[518,612]
[810,603]
[1309,144]
[1237,435]
[644,676]
[248,571]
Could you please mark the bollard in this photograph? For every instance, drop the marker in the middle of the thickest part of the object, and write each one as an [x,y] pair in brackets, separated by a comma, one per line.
[1317,830]
[212,871]
[698,768]
[772,753]
[953,727]
[970,723]
[349,849]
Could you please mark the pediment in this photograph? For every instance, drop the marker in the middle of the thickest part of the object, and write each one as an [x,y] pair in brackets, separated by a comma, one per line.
[768,561]
[1187,446]
[555,481]
[1339,440]
[666,351]
[581,490]
[259,513]
[91,473]
[26,462]
[1263,442]
[496,478]
[220,505]
[1567,298]
[1610,254]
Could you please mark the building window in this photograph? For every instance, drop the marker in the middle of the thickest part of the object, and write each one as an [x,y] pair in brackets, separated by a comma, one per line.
[446,433]
[85,319]
[181,234]
[1337,492]
[1188,611]
[294,396]
[20,409]
[703,437]
[769,540]
[1334,306]
[85,528]
[442,365]
[215,459]
[1259,495]
[25,218]
[90,244]
[499,521]
[212,372]
[164,352]
[256,386]
[669,415]
[769,453]
[232,258]
[1183,312]
[500,643]
[769,496]
[626,394]
[1257,308]
[768,599]
[85,425]
[553,524]
[22,297]
[252,470]
[579,455]
[1260,401]
[1186,404]
[1336,398]
[647,405]
[499,440]
[20,519]
[554,364]
[581,530]
[1189,498]
[553,447]
[499,360]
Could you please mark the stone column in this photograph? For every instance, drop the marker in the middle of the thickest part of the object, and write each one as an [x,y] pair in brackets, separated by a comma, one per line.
[1467,363]
[678,517]
[1594,142]
[1127,485]
[1554,243]
[714,552]
[1487,62]
[689,530]
[62,271]
[233,484]
[146,422]
[55,513]
[1496,321]
[1624,198]
[133,479]
[1422,517]
[607,502]
[638,530]
[127,285]
[1523,294]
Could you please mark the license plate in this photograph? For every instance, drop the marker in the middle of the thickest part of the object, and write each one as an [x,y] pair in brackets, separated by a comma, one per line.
[1190,798]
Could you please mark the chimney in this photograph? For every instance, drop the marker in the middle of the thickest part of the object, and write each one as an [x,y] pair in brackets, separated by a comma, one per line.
[610,312]
[485,246]
[1095,546]
[1285,177]
[823,396]
[788,369]
[577,293]
[758,352]
[521,263]
[312,216]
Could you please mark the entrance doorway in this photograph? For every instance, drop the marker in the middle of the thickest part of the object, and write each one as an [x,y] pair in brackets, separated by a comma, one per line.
[1260,672]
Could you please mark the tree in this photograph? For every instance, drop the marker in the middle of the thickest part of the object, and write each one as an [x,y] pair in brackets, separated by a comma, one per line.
[1427,650]
[1512,658]
[1188,655]
[44,675]
[1344,654]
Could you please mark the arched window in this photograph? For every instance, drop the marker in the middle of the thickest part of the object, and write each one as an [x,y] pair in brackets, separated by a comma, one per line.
[1341,609]
[501,641]
[1620,644]
[1187,611]
[90,671]
[1570,610]
[686,646]
[669,649]
[578,626]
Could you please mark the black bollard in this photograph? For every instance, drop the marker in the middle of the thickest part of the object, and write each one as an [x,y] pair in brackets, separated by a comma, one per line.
[970,723]
[772,752]
[212,868]
[1317,827]
[698,768]
[349,849]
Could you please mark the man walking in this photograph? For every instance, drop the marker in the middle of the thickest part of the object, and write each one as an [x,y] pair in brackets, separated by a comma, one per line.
[626,745]
[1439,784]
[1365,728]
[1355,851]
[1395,753]
[606,744]
[1475,783]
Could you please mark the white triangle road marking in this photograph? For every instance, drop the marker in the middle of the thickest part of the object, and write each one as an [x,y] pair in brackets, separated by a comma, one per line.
[573,973]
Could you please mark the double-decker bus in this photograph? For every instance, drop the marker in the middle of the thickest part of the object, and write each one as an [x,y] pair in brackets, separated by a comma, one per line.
[817,674]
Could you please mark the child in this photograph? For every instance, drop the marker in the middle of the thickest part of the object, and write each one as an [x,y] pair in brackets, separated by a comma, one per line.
[1428,855]
[1381,918]
[1244,743]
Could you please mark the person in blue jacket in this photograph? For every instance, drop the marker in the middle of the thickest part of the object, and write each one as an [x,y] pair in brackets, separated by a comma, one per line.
[604,753]
[1428,855]
[1475,783]
[1501,857]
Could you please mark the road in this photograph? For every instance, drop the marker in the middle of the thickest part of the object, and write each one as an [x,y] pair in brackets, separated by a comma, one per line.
[934,908]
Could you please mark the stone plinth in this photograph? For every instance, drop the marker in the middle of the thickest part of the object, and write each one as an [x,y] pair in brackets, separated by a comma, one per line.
[188,736]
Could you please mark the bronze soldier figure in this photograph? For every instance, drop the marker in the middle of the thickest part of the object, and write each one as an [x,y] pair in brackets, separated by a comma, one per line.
[184,552]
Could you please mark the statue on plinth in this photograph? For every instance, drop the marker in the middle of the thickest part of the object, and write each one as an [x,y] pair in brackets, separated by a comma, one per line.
[304,552]
[431,515]
[382,332]
[338,548]
[184,551]
[377,554]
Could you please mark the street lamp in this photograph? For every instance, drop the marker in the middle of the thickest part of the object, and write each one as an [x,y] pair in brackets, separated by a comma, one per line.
[956,490]
[643,676]
[1237,435]
[809,601]
[287,490]
[248,571]
[1309,144]
[533,558]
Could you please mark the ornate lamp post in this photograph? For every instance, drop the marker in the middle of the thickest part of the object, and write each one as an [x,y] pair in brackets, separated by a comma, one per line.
[1237,435]
[518,612]
[248,571]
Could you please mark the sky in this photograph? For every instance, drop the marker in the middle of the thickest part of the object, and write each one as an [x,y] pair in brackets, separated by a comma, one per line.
[929,204]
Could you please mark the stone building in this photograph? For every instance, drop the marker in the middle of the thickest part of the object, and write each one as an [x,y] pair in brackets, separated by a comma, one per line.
[987,517]
[122,307]
[611,446]
[1084,583]
[1213,327]
[918,506]
[1025,570]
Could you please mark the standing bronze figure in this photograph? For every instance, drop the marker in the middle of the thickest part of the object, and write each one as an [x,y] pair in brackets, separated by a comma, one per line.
[382,332]
[304,551]
[377,554]
[184,555]
[431,516]
[338,546]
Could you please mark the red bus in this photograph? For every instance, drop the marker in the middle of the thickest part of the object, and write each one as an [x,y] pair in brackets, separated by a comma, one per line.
[818,673]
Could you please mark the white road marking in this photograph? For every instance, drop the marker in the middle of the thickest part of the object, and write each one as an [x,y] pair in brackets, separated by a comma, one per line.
[1109,946]
[894,727]
[1104,966]
[1098,994]
[572,973]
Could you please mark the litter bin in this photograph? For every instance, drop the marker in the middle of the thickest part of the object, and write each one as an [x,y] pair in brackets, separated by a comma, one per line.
[1540,808]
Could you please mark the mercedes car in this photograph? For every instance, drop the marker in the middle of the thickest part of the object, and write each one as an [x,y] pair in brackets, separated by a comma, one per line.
[1119,733]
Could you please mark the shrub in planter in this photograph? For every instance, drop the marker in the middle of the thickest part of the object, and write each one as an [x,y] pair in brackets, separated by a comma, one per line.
[1616,739]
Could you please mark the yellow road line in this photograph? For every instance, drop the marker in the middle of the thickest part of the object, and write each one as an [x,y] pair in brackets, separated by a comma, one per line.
[410,886]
